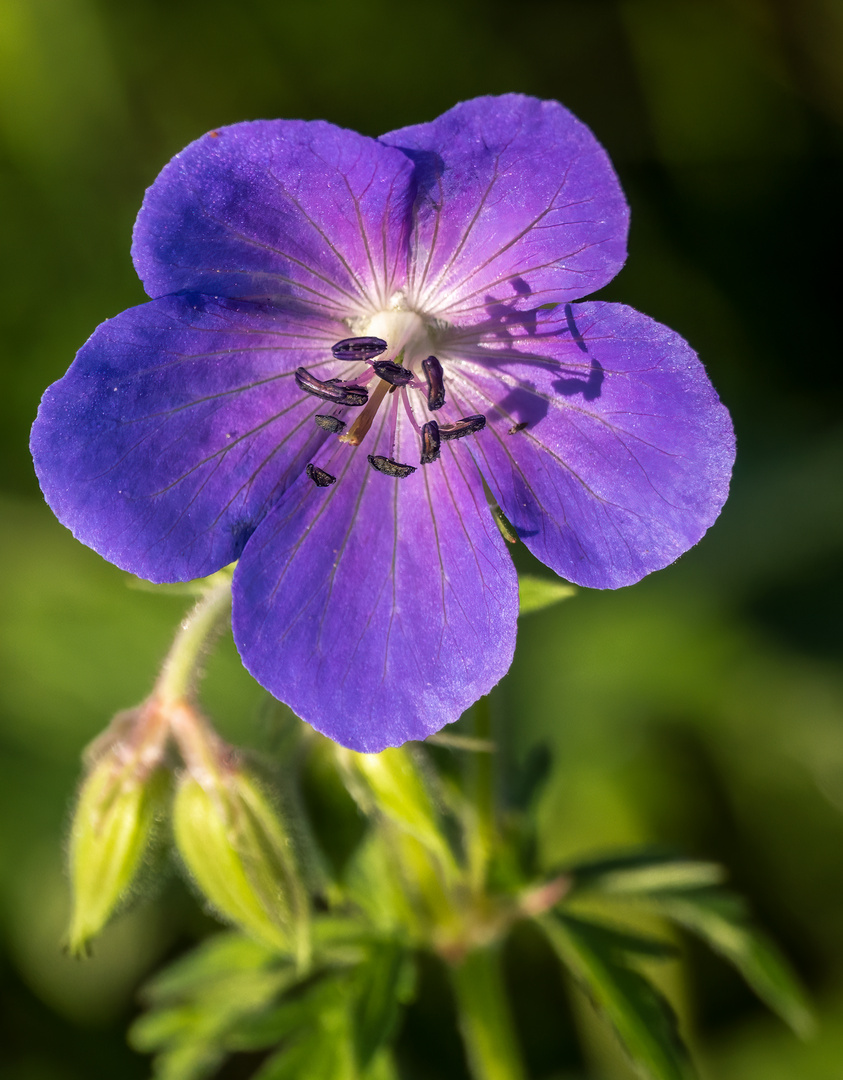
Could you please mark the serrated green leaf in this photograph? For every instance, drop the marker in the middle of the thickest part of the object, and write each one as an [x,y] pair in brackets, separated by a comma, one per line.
[298,1012]
[535,593]
[201,999]
[381,988]
[625,942]
[719,918]
[641,1017]
[324,1052]
[683,892]
[216,961]
[643,872]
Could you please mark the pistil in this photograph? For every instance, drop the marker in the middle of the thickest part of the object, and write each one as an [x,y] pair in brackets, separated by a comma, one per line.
[354,435]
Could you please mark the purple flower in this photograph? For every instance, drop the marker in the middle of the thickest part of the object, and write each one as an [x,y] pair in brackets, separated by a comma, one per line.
[239,415]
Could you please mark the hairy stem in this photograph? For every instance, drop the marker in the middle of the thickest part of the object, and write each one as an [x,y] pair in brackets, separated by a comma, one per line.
[485,1020]
[197,630]
[481,795]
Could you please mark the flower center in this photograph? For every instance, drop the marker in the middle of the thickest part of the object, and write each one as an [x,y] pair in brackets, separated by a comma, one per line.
[406,333]
[408,342]
[397,346]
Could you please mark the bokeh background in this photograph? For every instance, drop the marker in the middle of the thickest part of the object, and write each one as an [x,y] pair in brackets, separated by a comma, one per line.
[702,708]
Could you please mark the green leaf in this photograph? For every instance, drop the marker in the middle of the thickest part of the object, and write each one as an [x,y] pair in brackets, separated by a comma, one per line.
[323,1052]
[384,983]
[535,593]
[213,964]
[643,872]
[298,1013]
[683,892]
[719,918]
[626,943]
[641,1017]
[201,999]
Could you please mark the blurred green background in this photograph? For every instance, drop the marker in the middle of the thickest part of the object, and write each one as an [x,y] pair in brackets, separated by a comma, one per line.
[702,708]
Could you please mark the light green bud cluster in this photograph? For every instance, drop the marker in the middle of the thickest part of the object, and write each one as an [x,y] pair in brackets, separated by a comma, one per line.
[231,839]
[391,783]
[113,822]
[235,847]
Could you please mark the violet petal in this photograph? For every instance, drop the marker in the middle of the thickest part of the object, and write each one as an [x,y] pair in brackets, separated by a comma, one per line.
[177,426]
[273,209]
[518,206]
[379,609]
[606,445]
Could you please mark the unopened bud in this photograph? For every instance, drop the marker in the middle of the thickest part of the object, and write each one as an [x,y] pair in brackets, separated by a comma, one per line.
[112,825]
[392,783]
[237,850]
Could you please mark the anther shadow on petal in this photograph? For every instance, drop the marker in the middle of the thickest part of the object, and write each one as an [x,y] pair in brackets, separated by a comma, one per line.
[573,329]
[504,313]
[590,388]
[521,407]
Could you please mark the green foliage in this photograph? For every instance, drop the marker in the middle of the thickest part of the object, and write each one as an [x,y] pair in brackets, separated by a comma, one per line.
[112,827]
[685,893]
[598,958]
[720,919]
[536,593]
[234,995]
[198,1003]
[384,982]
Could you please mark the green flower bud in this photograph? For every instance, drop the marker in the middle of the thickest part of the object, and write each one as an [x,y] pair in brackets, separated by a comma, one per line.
[118,804]
[392,783]
[237,850]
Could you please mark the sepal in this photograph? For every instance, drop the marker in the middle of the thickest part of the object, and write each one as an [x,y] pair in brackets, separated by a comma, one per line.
[392,784]
[113,823]
[240,854]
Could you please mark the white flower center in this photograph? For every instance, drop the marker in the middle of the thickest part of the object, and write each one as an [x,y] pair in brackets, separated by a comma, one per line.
[407,334]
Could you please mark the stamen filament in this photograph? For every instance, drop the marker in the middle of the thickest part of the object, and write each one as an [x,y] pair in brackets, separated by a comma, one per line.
[354,435]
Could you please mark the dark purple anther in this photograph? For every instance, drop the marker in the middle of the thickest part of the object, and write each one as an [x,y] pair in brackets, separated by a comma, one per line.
[332,389]
[329,423]
[430,442]
[358,348]
[389,467]
[466,426]
[393,373]
[319,477]
[435,383]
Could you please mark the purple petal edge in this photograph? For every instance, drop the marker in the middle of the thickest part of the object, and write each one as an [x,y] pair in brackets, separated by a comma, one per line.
[176,428]
[517,204]
[607,446]
[378,609]
[273,210]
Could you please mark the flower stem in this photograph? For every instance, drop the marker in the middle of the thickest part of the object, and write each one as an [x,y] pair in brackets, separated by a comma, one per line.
[179,671]
[484,1017]
[481,790]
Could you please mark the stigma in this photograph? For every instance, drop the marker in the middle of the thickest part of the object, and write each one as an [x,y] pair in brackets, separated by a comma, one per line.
[392,354]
